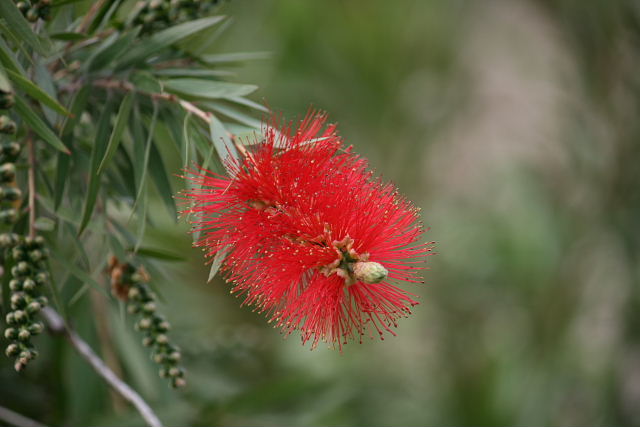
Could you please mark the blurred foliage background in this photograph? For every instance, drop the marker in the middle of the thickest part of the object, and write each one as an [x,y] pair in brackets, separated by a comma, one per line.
[514,125]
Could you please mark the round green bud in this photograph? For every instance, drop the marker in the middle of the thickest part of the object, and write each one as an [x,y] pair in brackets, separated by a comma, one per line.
[147,341]
[163,372]
[159,357]
[134,293]
[8,216]
[11,333]
[24,334]
[143,324]
[36,255]
[149,307]
[18,300]
[41,278]
[29,284]
[19,316]
[34,307]
[17,254]
[174,356]
[7,125]
[23,267]
[42,300]
[133,309]
[23,6]
[163,326]
[13,349]
[36,328]
[6,100]
[11,318]
[8,239]
[369,272]
[178,382]
[32,15]
[10,149]
[162,339]
[15,285]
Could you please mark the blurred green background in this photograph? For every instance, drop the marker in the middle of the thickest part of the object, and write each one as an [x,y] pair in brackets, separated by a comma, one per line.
[515,125]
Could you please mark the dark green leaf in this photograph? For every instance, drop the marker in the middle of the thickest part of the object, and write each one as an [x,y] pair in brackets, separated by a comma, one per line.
[35,92]
[97,153]
[111,49]
[165,38]
[69,36]
[201,88]
[7,59]
[160,254]
[223,58]
[218,259]
[191,72]
[116,135]
[19,28]
[221,140]
[161,180]
[38,125]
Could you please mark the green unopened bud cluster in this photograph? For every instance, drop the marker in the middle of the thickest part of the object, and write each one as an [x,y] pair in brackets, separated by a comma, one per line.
[155,15]
[9,151]
[34,9]
[142,302]
[28,278]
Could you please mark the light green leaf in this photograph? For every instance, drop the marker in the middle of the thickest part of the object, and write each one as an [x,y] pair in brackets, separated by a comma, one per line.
[35,92]
[234,114]
[97,153]
[111,49]
[218,259]
[223,58]
[201,88]
[5,85]
[38,125]
[19,28]
[221,140]
[160,254]
[191,72]
[116,135]
[45,224]
[165,38]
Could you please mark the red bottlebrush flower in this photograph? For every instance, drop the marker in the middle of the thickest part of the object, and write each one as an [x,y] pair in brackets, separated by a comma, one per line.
[311,237]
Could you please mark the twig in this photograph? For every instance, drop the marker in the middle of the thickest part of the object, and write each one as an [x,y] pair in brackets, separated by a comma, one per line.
[19,420]
[32,187]
[57,325]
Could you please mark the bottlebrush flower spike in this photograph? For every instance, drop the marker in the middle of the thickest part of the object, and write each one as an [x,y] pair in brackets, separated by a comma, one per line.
[311,238]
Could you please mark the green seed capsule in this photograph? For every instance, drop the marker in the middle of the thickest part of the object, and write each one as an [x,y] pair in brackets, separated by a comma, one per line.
[11,333]
[149,307]
[23,267]
[8,239]
[175,356]
[18,301]
[147,341]
[162,339]
[18,254]
[19,316]
[36,255]
[11,318]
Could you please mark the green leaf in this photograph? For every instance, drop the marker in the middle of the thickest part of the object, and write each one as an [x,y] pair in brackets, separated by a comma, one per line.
[7,59]
[160,254]
[165,38]
[69,36]
[116,135]
[191,72]
[111,49]
[201,88]
[35,92]
[45,224]
[248,103]
[97,153]
[5,84]
[234,114]
[221,140]
[143,163]
[38,125]
[224,58]
[161,180]
[18,27]
[218,259]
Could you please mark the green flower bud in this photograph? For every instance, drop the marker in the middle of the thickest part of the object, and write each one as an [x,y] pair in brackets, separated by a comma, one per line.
[36,255]
[6,100]
[134,293]
[10,149]
[7,125]
[163,326]
[174,356]
[32,15]
[143,324]
[24,334]
[178,382]
[23,267]
[42,300]
[41,278]
[33,307]
[18,300]
[23,6]
[159,357]
[8,239]
[17,254]
[133,309]
[149,307]
[19,316]
[11,333]
[147,341]
[8,216]
[36,328]
[11,318]
[369,272]
[163,372]
[15,285]
[29,285]
[162,339]
[13,349]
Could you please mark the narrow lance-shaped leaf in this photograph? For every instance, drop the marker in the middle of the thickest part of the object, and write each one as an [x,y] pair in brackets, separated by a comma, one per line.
[97,152]
[19,27]
[221,140]
[116,135]
[5,85]
[38,125]
[166,38]
[159,176]
[201,88]
[35,92]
